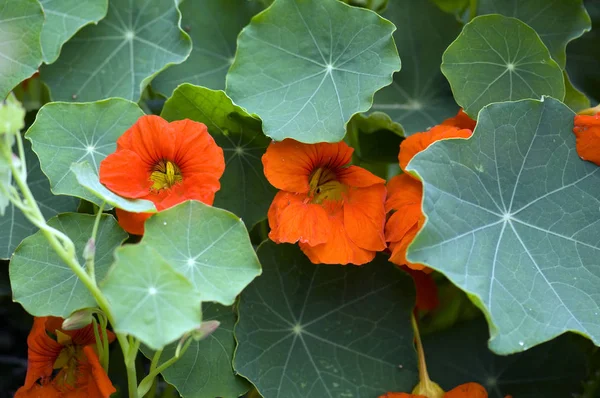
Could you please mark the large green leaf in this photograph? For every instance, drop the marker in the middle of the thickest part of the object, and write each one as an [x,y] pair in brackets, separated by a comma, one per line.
[14,226]
[498,58]
[119,56]
[20,50]
[420,96]
[244,189]
[63,19]
[306,66]
[205,370]
[460,355]
[512,219]
[149,299]
[64,134]
[210,246]
[213,26]
[309,330]
[557,22]
[43,283]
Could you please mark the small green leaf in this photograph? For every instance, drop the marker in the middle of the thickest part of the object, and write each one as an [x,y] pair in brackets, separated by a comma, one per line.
[244,189]
[214,26]
[20,50]
[149,299]
[64,134]
[63,19]
[43,283]
[305,67]
[209,246]
[557,22]
[205,369]
[87,177]
[420,96]
[498,58]
[375,137]
[309,330]
[512,219]
[119,56]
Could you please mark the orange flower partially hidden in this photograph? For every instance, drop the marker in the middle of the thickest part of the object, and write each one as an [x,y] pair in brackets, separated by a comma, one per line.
[467,390]
[587,133]
[335,211]
[166,163]
[69,352]
[405,192]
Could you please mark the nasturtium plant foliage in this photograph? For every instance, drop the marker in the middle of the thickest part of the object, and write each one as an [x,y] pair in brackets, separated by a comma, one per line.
[300,198]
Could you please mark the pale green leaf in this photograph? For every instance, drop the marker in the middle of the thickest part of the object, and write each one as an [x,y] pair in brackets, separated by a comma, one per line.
[63,19]
[305,67]
[20,50]
[498,58]
[244,189]
[309,330]
[64,134]
[87,178]
[512,219]
[43,283]
[205,370]
[149,299]
[213,26]
[420,96]
[556,22]
[209,246]
[119,57]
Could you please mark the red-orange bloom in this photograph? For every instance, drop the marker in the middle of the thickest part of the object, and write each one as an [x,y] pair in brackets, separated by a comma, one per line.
[405,192]
[336,211]
[467,390]
[166,163]
[587,133]
[72,354]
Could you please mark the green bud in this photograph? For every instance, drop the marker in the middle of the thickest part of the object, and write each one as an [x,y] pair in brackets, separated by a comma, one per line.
[79,319]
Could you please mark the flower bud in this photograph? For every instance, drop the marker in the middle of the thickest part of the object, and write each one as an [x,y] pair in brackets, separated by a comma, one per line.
[79,319]
[205,330]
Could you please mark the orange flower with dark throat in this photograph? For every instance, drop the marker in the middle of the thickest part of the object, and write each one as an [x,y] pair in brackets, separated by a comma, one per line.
[64,363]
[166,163]
[335,211]
[405,192]
[587,133]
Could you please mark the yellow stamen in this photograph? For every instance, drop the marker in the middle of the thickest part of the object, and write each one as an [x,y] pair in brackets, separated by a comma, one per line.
[324,186]
[165,175]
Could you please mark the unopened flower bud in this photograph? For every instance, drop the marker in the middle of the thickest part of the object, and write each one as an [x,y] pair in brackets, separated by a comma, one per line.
[89,250]
[205,330]
[79,319]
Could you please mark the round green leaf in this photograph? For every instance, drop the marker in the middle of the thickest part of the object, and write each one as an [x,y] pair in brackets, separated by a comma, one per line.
[149,299]
[512,219]
[63,19]
[20,50]
[64,134]
[43,283]
[205,369]
[498,58]
[119,56]
[210,246]
[213,26]
[557,22]
[309,330]
[305,67]
[244,189]
[420,96]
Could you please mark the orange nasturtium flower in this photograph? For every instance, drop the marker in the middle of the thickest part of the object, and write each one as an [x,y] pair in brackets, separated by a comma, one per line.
[336,211]
[587,131]
[405,192]
[166,163]
[467,390]
[63,363]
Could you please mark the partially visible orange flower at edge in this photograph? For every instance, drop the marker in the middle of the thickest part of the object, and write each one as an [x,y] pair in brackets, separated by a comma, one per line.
[467,390]
[587,133]
[166,163]
[334,210]
[73,354]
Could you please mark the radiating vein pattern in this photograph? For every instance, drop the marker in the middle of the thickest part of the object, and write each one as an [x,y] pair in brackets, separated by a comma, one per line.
[513,218]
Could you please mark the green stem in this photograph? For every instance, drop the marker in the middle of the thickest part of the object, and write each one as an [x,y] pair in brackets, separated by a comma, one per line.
[472,9]
[155,360]
[147,381]
[89,261]
[99,344]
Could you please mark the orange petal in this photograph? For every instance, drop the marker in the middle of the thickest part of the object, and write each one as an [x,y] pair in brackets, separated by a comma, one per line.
[587,133]
[297,220]
[355,176]
[93,382]
[401,395]
[461,120]
[468,390]
[364,216]
[402,221]
[426,289]
[151,138]
[288,164]
[124,173]
[47,390]
[403,190]
[132,222]
[42,352]
[399,250]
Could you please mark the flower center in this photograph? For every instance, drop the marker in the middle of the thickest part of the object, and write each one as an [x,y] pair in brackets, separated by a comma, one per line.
[66,364]
[164,175]
[325,186]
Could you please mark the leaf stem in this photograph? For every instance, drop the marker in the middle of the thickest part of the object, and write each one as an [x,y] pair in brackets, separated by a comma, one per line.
[90,252]
[147,381]
[425,387]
